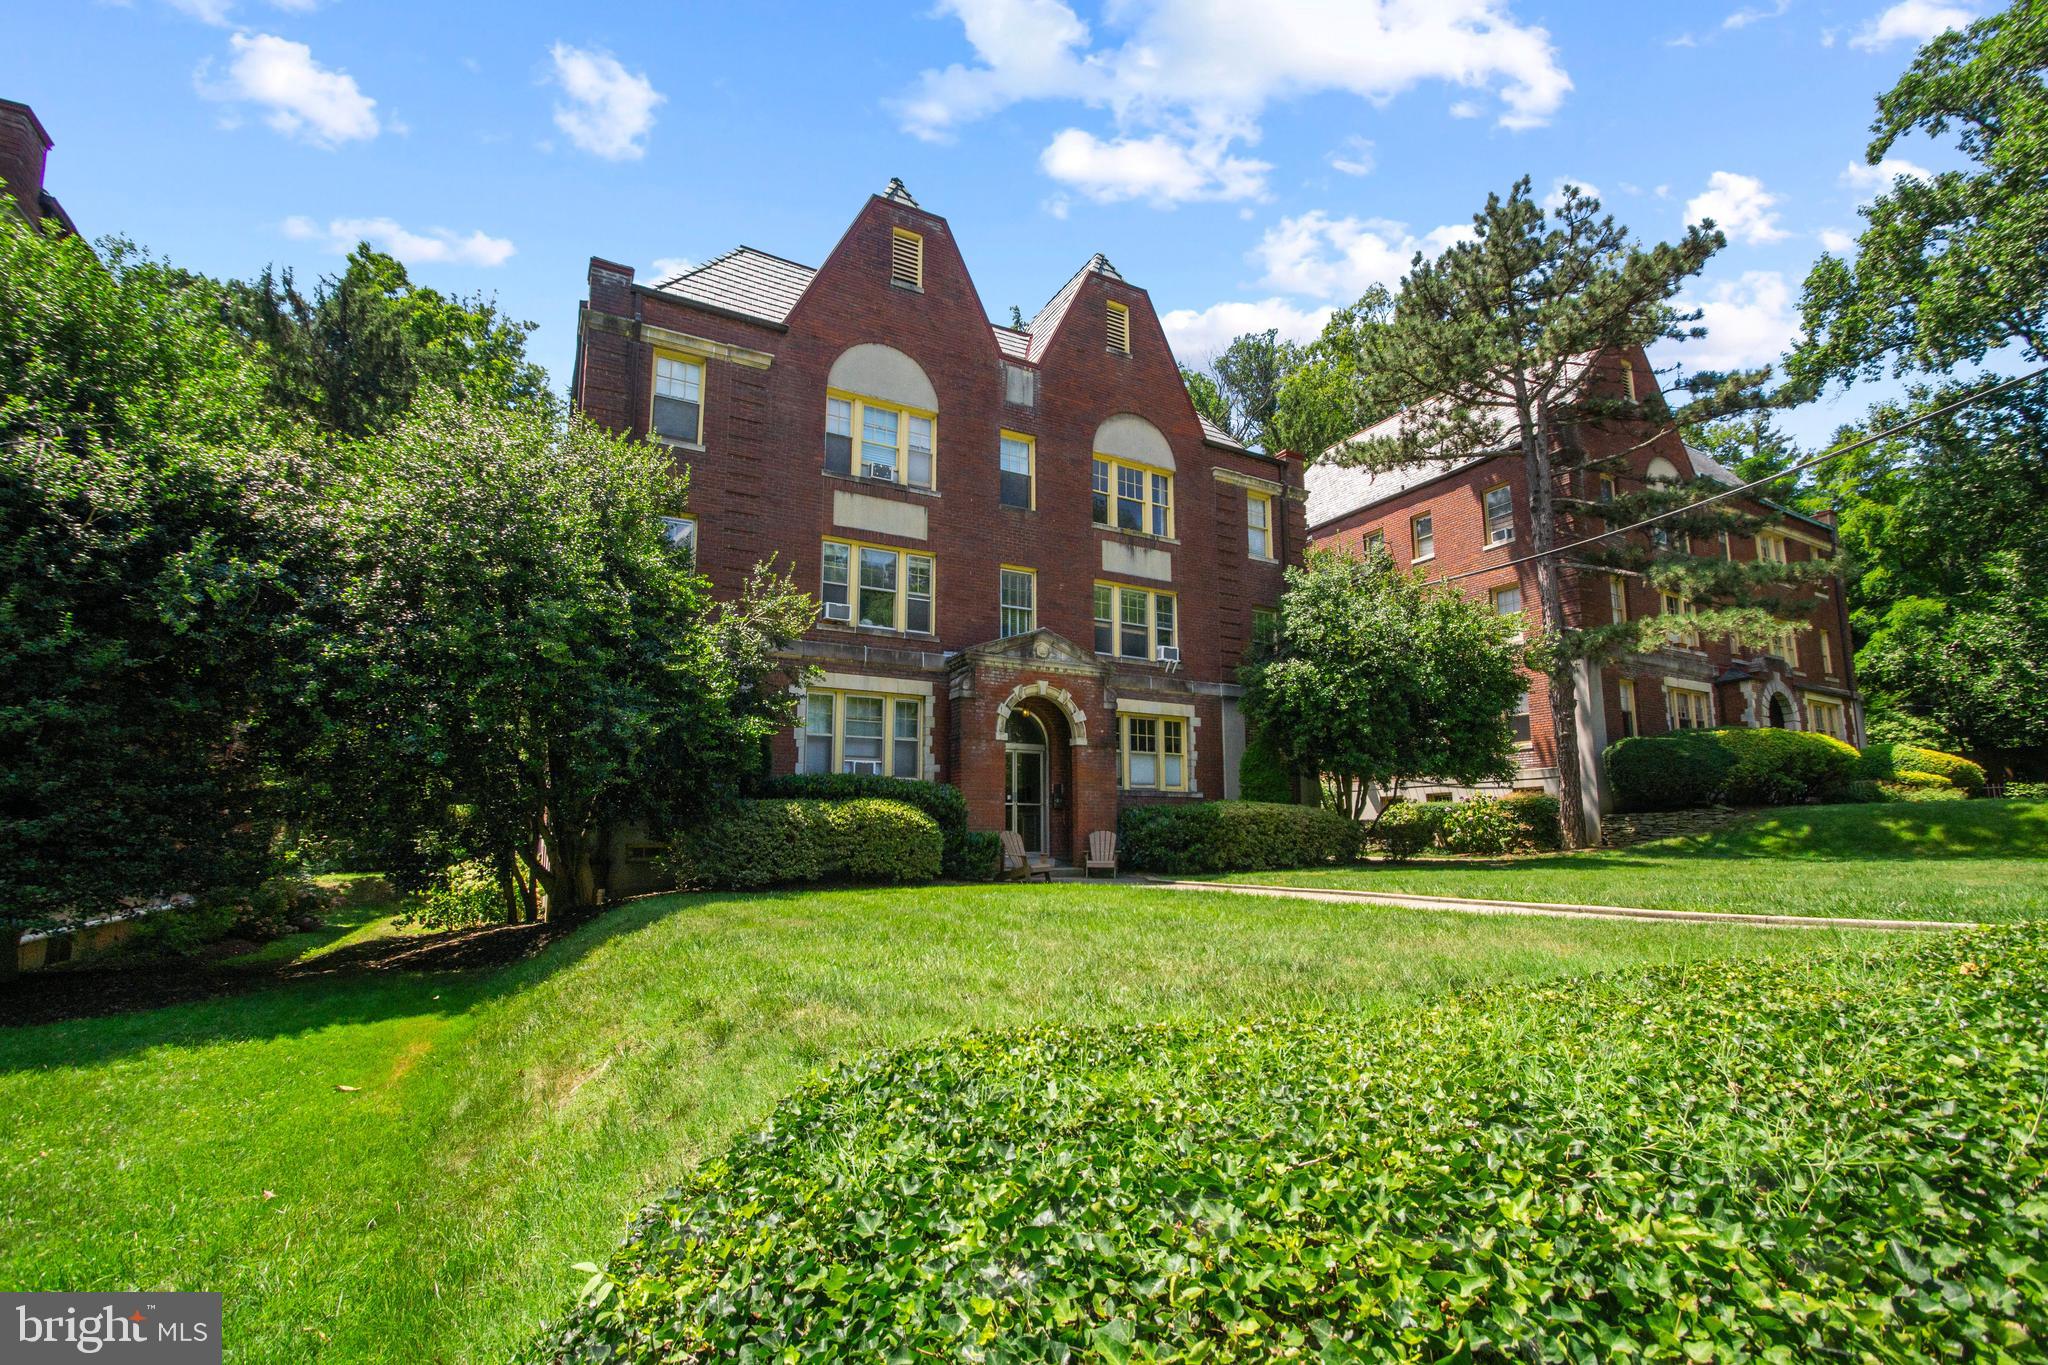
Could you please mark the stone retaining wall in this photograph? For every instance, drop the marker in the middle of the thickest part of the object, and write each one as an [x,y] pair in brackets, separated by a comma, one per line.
[1619,831]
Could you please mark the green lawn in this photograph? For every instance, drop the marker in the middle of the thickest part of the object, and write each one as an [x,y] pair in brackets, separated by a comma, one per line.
[1939,860]
[503,1126]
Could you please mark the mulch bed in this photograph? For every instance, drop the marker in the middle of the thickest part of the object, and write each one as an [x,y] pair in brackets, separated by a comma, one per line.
[89,991]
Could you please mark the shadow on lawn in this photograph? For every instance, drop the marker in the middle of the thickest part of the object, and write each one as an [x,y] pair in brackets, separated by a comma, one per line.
[385,978]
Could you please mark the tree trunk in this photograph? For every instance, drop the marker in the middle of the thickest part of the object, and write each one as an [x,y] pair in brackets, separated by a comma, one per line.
[1564,691]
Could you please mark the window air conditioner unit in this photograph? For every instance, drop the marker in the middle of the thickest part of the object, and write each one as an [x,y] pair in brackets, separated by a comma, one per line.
[870,766]
[879,471]
[1169,654]
[838,611]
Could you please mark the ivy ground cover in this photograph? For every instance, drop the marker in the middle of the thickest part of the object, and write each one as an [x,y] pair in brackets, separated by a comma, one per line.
[1840,1158]
[1978,861]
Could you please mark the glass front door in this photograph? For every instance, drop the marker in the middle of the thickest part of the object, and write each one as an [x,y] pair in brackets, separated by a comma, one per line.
[1024,795]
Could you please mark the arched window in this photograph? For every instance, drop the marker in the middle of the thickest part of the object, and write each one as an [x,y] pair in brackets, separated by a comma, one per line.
[881,417]
[1661,472]
[1023,729]
[1133,477]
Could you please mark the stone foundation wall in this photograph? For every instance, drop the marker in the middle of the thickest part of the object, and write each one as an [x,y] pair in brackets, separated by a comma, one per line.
[1619,831]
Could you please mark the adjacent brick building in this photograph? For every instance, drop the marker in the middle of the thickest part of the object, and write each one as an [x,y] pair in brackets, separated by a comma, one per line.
[1038,567]
[24,155]
[1473,518]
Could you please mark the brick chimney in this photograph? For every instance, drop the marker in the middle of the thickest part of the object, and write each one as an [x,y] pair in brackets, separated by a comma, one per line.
[24,150]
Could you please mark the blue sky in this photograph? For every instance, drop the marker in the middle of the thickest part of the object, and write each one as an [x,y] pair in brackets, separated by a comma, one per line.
[1248,164]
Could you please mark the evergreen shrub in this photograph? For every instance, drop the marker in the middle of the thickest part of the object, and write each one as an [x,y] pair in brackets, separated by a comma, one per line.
[1233,836]
[767,842]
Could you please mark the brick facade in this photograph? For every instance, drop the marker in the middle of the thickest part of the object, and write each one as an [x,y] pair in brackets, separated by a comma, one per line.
[760,490]
[1742,683]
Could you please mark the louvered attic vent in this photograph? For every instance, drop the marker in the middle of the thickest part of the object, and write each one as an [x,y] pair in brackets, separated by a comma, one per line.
[1119,329]
[906,258]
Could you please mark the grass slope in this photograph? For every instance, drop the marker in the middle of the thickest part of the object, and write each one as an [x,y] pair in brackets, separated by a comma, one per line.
[1832,1159]
[502,1127]
[1945,860]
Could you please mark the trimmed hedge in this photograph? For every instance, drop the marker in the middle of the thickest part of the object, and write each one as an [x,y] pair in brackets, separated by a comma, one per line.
[1233,836]
[1486,826]
[1734,766]
[1580,1171]
[2026,791]
[940,800]
[1891,763]
[782,843]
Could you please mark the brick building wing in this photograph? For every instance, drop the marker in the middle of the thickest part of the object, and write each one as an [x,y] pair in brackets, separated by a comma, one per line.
[1038,569]
[1445,521]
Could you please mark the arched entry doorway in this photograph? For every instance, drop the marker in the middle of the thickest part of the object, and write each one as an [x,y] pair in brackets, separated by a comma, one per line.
[1778,717]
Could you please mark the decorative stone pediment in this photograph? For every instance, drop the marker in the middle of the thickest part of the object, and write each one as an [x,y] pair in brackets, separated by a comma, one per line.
[1040,648]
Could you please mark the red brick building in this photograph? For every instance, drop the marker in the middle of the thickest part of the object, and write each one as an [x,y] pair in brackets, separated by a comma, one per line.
[24,155]
[1473,518]
[1037,566]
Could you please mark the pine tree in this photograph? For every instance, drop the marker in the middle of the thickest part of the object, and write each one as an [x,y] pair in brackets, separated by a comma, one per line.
[1503,346]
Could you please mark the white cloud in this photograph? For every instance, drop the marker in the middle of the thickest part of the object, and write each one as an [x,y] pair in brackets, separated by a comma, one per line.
[217,11]
[1465,109]
[610,109]
[1837,241]
[1199,73]
[435,246]
[1197,336]
[1340,258]
[1750,321]
[665,266]
[304,99]
[1753,14]
[1157,168]
[1917,20]
[1740,206]
[1875,180]
[1355,157]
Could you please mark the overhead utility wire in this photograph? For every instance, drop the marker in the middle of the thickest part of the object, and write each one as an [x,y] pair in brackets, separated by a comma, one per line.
[1838,451]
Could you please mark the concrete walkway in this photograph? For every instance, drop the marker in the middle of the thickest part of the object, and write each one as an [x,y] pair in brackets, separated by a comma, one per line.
[1466,906]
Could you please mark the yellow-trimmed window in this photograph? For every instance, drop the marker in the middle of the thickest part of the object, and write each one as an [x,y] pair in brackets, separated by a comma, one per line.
[1119,327]
[1153,750]
[1374,541]
[1827,653]
[1016,600]
[878,733]
[1625,697]
[1017,463]
[879,440]
[1135,623]
[1422,536]
[1518,721]
[1133,497]
[1675,605]
[1617,598]
[1498,503]
[1770,549]
[877,586]
[677,407]
[1258,520]
[1688,708]
[906,258]
[1828,717]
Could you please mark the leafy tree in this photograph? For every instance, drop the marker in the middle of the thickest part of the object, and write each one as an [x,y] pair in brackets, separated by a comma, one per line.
[351,358]
[1207,398]
[151,555]
[1973,670]
[1249,373]
[527,661]
[1751,445]
[1487,352]
[1324,398]
[1950,268]
[1374,676]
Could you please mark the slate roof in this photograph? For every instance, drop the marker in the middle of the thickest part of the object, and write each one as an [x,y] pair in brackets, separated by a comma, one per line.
[1048,319]
[745,281]
[1015,345]
[1709,467]
[1337,490]
[1217,436]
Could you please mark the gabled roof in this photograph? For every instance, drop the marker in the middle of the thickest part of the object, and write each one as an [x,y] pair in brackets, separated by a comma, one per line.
[1048,319]
[1217,436]
[1706,465]
[1015,345]
[744,281]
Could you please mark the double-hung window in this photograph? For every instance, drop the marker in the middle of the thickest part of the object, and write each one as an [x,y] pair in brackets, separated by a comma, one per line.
[1507,601]
[1017,459]
[681,531]
[1422,536]
[1617,598]
[1499,503]
[1828,717]
[1689,708]
[1770,549]
[1518,720]
[876,586]
[1154,752]
[878,440]
[1258,517]
[1625,699]
[1133,497]
[1017,601]
[1134,623]
[678,414]
[1827,653]
[1375,542]
[1677,606]
[860,732]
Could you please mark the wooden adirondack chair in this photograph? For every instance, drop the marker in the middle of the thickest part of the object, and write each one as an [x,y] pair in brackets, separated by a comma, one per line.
[1102,851]
[1017,864]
